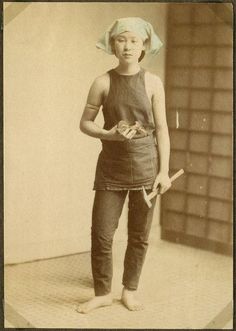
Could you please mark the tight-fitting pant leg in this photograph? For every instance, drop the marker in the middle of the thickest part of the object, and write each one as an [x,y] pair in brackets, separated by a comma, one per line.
[107,209]
[139,225]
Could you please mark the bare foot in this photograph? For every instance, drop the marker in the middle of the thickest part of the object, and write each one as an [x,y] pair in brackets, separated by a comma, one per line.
[129,300]
[96,302]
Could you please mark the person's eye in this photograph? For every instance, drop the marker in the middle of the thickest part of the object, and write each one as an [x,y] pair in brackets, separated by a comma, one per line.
[134,41]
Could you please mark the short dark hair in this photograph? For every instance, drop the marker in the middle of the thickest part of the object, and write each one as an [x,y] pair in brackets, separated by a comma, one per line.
[141,56]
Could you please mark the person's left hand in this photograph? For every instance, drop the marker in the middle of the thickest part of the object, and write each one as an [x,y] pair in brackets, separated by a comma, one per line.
[163,181]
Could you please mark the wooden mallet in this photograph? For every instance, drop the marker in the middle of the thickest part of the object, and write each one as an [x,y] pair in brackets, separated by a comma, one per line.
[148,197]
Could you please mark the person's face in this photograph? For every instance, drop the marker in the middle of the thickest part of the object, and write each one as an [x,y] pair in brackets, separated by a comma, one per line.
[128,47]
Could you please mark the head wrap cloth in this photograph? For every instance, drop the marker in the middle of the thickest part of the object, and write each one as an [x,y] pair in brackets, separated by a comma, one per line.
[131,24]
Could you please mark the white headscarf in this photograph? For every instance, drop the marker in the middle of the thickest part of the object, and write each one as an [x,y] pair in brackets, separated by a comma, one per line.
[131,24]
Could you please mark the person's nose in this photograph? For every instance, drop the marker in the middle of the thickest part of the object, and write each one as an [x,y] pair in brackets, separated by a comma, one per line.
[127,45]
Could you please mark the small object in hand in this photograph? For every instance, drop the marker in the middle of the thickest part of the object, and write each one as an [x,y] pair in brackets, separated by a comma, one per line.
[123,125]
[140,129]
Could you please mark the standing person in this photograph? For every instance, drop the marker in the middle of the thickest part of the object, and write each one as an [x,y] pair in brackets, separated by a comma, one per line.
[135,154]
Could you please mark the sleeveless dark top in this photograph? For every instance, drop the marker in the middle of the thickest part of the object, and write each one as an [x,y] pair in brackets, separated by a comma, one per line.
[127,100]
[129,164]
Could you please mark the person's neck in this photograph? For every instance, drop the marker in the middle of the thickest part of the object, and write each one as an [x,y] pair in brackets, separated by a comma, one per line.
[129,69]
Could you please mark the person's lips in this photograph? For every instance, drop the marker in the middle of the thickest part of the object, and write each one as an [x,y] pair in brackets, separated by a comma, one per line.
[127,54]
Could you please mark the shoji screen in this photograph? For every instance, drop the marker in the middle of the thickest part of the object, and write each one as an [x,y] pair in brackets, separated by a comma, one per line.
[198,208]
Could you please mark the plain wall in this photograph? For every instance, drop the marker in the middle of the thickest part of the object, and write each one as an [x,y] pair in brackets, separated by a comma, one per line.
[50,61]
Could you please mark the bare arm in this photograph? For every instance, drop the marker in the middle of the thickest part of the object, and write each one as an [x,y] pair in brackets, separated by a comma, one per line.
[94,102]
[162,133]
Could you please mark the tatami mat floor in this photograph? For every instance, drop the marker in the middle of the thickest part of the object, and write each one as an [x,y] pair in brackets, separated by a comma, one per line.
[181,287]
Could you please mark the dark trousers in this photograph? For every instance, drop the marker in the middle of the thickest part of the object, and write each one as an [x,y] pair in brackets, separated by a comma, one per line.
[107,209]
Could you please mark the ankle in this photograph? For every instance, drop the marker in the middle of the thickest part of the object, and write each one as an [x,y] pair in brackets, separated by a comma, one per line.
[128,290]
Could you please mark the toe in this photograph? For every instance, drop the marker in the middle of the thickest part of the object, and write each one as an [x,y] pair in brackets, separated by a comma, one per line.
[136,307]
[80,310]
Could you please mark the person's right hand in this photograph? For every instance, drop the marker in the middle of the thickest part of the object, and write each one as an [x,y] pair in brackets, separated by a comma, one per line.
[113,134]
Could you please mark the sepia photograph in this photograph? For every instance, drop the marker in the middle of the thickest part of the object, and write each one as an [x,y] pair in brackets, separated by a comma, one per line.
[118,165]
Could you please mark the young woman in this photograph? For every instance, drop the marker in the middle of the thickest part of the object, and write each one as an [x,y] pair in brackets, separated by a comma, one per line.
[135,154]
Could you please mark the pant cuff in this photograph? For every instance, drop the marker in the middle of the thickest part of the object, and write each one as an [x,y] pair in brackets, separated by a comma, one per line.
[130,288]
[100,292]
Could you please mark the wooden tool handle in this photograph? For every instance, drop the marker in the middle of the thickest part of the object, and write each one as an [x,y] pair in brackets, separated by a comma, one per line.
[177,174]
[152,194]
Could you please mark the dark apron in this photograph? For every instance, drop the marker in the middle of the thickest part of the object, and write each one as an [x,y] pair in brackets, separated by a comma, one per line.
[127,165]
